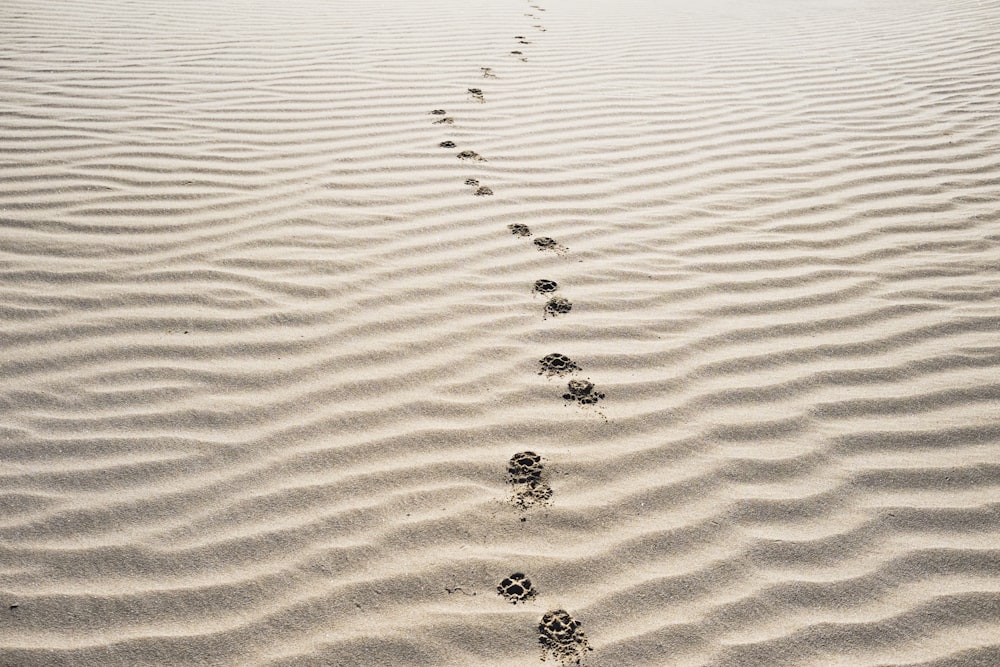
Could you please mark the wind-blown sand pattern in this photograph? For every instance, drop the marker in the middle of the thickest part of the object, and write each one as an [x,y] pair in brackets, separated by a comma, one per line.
[266,358]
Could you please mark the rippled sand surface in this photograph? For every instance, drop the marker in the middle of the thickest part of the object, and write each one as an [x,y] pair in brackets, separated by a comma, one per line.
[268,346]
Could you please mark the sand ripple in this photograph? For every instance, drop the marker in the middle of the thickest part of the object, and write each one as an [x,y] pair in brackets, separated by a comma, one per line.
[266,356]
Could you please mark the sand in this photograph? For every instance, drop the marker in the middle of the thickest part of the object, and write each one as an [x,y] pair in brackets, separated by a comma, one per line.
[268,347]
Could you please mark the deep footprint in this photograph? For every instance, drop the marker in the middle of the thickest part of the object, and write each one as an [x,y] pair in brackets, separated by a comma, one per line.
[545,286]
[558,305]
[447,144]
[477,94]
[516,588]
[483,191]
[561,638]
[519,229]
[582,391]
[524,473]
[557,364]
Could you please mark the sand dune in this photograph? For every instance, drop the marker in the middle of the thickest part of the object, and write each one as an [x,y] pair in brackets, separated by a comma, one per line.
[267,354]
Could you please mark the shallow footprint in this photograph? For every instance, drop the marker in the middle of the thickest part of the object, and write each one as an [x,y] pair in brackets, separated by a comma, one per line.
[582,391]
[477,94]
[516,588]
[471,155]
[483,191]
[471,181]
[488,73]
[557,364]
[546,243]
[561,637]
[447,120]
[438,112]
[447,144]
[519,229]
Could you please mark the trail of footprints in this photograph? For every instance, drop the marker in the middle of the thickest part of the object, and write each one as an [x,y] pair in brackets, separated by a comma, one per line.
[559,634]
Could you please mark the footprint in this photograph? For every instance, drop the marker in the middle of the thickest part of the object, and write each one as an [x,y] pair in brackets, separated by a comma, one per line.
[545,243]
[545,286]
[524,473]
[471,181]
[471,155]
[518,229]
[447,120]
[561,638]
[520,56]
[477,94]
[582,391]
[521,40]
[438,112]
[483,191]
[488,73]
[557,364]
[524,468]
[558,305]
[516,588]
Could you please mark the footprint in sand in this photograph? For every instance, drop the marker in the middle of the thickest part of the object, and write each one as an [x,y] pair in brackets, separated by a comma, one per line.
[557,364]
[545,286]
[524,473]
[488,73]
[481,190]
[561,638]
[447,144]
[582,391]
[471,155]
[447,120]
[520,56]
[519,229]
[558,305]
[477,94]
[521,40]
[546,243]
[516,588]
[438,112]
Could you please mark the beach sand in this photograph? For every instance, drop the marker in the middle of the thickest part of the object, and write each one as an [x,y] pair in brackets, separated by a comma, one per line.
[269,347]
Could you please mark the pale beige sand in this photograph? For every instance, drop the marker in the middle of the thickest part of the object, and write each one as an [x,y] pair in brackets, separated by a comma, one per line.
[265,355]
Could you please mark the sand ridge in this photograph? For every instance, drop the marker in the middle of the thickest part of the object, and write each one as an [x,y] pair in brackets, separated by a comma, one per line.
[273,362]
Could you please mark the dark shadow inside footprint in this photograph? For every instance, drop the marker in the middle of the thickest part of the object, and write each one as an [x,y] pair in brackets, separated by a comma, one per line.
[519,229]
[483,191]
[438,112]
[556,364]
[524,467]
[545,286]
[562,638]
[582,391]
[471,155]
[471,181]
[516,588]
[477,94]
[558,305]
[447,144]
[447,120]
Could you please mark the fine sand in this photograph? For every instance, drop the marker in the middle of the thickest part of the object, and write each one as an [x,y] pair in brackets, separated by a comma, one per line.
[268,346]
